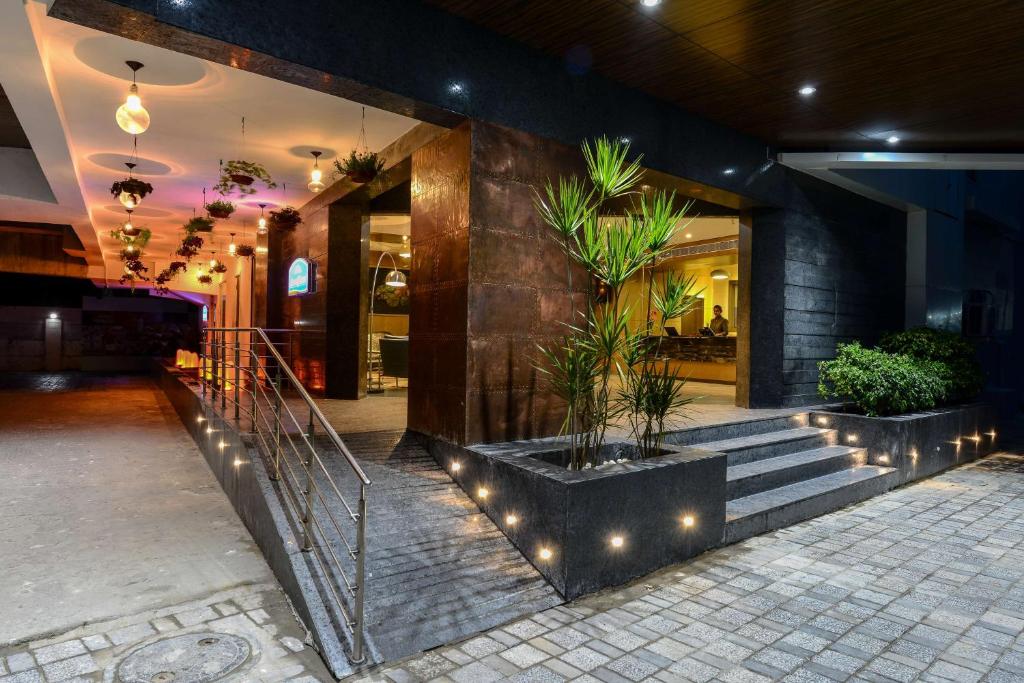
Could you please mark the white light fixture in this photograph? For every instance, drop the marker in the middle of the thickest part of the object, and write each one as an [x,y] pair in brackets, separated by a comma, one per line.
[406,250]
[131,116]
[545,553]
[688,521]
[395,278]
[650,3]
[807,90]
[232,247]
[53,315]
[129,229]
[261,224]
[456,466]
[893,139]
[625,140]
[456,88]
[127,199]
[719,274]
[689,235]
[616,541]
[316,175]
[511,520]
[482,492]
[729,171]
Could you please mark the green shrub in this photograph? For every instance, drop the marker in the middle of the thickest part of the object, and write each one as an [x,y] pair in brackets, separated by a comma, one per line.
[960,371]
[881,383]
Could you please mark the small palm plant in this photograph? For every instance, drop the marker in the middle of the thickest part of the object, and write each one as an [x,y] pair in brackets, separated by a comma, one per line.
[599,345]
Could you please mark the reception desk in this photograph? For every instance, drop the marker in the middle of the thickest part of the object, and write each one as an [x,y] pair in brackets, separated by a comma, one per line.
[707,359]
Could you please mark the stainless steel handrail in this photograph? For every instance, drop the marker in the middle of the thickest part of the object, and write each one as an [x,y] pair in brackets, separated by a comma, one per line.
[266,373]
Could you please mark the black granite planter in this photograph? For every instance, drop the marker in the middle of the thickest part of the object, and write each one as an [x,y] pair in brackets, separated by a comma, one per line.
[587,530]
[917,444]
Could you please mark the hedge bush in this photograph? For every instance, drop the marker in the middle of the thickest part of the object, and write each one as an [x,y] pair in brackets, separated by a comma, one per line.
[881,383]
[960,370]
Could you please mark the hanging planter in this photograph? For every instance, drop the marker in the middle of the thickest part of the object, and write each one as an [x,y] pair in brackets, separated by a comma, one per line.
[239,175]
[360,167]
[220,209]
[218,267]
[285,219]
[245,250]
[199,224]
[205,278]
[190,246]
[130,191]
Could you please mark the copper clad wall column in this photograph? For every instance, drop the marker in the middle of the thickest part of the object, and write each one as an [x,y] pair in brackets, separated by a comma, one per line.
[347,301]
[438,286]
[488,284]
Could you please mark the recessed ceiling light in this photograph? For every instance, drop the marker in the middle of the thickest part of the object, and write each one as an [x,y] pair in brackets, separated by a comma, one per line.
[892,139]
[689,235]
[456,88]
[807,90]
[650,3]
[625,140]
[729,171]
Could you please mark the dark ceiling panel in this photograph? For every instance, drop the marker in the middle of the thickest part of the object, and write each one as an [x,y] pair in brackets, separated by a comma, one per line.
[11,133]
[880,66]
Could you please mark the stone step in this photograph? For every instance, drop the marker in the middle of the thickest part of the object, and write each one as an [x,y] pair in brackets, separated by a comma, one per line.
[746,449]
[774,509]
[769,473]
[735,430]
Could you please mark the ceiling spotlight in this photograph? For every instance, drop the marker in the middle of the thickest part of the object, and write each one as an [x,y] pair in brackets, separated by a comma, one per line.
[719,274]
[625,140]
[456,88]
[689,235]
[261,224]
[395,278]
[729,171]
[807,90]
[316,175]
[892,139]
[650,3]
[131,116]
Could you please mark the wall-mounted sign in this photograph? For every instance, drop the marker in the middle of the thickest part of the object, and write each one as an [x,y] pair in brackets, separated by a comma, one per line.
[206,314]
[301,277]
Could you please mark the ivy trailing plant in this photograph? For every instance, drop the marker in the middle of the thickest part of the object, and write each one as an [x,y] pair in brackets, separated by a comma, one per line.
[285,219]
[245,250]
[219,267]
[239,175]
[220,209]
[190,246]
[204,278]
[600,343]
[168,274]
[132,247]
[200,224]
[360,167]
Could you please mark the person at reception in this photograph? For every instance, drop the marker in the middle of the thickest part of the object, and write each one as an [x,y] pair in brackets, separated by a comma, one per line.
[719,325]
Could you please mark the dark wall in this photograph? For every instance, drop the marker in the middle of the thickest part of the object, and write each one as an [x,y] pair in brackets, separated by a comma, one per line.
[829,270]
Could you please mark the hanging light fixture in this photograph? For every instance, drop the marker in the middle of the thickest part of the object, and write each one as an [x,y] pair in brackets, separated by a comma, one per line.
[316,175]
[406,250]
[719,274]
[129,229]
[231,246]
[129,200]
[131,116]
[261,225]
[395,278]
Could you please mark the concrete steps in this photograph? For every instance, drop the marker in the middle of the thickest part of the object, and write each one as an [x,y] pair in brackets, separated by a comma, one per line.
[781,471]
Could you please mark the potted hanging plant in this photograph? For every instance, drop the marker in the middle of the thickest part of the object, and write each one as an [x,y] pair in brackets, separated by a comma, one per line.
[245,250]
[218,267]
[285,219]
[176,267]
[202,223]
[130,191]
[360,167]
[220,209]
[205,278]
[239,175]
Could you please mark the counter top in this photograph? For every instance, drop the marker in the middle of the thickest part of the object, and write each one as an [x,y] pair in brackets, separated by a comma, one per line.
[699,349]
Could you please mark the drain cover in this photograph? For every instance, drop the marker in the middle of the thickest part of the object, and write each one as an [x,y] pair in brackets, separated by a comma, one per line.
[192,658]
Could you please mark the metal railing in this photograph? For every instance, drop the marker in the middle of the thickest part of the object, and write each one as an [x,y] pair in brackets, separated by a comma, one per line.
[243,370]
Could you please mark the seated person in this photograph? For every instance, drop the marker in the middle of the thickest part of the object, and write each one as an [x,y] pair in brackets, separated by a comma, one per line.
[719,325]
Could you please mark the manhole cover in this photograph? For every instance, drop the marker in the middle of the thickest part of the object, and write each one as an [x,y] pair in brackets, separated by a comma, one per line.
[192,658]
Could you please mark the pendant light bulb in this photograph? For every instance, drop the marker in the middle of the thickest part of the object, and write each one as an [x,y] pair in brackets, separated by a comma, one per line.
[261,224]
[316,175]
[131,116]
[231,247]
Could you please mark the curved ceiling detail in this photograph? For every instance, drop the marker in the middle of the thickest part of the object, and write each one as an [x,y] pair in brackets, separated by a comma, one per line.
[108,54]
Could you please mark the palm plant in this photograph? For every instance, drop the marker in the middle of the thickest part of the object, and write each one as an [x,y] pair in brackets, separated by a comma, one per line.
[599,345]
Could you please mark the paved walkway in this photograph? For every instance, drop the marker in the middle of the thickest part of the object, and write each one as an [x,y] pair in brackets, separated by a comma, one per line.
[922,583]
[114,533]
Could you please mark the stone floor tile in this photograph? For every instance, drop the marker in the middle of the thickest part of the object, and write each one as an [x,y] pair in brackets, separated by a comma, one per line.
[69,668]
[524,655]
[52,653]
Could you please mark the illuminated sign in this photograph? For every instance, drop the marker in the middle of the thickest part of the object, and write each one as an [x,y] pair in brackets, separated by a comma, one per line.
[301,277]
[206,314]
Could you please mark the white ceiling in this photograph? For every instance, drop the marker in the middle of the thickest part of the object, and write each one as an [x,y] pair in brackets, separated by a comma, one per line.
[196,109]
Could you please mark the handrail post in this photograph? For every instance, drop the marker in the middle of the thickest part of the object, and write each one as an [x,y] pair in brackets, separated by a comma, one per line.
[277,422]
[254,366]
[238,374]
[357,626]
[309,429]
[202,363]
[223,371]
[307,520]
